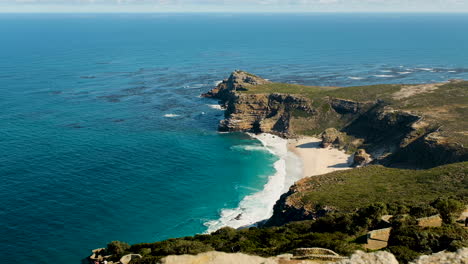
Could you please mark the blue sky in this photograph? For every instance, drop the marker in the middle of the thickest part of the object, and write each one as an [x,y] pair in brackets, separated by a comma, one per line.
[99,6]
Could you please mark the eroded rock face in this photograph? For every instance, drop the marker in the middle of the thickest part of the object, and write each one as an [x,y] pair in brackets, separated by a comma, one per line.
[262,113]
[288,208]
[361,158]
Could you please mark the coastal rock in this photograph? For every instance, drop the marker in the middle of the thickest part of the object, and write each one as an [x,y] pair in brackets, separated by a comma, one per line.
[263,113]
[361,158]
[289,208]
[331,137]
[237,81]
[128,258]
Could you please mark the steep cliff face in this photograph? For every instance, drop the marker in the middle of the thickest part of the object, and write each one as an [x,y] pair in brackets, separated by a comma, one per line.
[263,113]
[257,113]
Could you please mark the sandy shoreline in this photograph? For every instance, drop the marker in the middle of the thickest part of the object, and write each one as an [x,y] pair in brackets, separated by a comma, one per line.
[317,160]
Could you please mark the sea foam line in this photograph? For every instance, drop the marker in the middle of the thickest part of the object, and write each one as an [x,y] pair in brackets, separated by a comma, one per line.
[259,205]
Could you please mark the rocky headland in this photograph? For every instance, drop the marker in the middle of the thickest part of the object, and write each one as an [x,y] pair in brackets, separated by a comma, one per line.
[398,125]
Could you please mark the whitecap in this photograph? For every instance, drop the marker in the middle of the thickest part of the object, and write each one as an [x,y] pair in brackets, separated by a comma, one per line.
[425,69]
[386,71]
[216,106]
[248,148]
[171,115]
[452,71]
[384,76]
[259,205]
[405,72]
[355,78]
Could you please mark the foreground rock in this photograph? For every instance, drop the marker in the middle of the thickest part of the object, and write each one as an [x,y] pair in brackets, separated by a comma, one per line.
[459,257]
[361,257]
[217,258]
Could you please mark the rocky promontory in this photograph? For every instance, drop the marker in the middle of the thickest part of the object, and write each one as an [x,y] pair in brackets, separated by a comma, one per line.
[397,125]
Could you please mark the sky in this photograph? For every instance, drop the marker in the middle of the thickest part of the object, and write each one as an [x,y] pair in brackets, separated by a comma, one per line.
[156,6]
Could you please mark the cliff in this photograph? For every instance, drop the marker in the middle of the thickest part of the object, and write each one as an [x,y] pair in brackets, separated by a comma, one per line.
[398,125]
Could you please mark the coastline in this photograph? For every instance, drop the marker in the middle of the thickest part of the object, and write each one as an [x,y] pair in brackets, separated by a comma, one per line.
[317,160]
[297,159]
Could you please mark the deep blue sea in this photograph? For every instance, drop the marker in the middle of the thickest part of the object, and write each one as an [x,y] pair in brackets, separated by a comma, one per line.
[103,135]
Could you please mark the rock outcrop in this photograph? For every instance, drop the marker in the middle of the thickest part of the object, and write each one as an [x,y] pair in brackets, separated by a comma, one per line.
[288,208]
[331,137]
[237,81]
[361,158]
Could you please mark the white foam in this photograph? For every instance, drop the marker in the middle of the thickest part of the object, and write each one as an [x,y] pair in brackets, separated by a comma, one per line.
[171,115]
[218,82]
[452,71]
[386,71]
[425,69]
[355,78]
[405,72]
[249,148]
[384,76]
[216,106]
[259,205]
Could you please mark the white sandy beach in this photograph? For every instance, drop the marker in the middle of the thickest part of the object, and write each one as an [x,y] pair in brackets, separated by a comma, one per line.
[317,160]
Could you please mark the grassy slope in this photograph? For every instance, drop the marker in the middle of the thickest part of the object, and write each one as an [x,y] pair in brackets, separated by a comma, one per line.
[446,107]
[354,188]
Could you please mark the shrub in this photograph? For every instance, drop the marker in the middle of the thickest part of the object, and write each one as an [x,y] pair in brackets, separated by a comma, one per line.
[117,248]
[449,209]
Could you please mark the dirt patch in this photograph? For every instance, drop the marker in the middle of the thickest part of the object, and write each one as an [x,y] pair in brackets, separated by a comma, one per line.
[408,91]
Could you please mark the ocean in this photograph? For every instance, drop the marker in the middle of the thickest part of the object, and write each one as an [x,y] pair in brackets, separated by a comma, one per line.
[103,134]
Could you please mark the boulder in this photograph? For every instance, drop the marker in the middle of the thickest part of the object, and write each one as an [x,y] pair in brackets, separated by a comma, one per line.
[361,158]
[331,137]
[127,258]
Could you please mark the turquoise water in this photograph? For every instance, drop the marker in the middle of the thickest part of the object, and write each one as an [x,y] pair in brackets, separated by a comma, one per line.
[103,135]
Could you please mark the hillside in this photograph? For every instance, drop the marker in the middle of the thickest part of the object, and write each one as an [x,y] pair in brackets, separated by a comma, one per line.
[345,191]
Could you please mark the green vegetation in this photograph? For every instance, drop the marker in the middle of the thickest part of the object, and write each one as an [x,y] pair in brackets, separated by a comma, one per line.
[349,189]
[286,88]
[408,240]
[341,232]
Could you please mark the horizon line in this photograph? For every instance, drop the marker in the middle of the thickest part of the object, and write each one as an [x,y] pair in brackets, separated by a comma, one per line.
[240,12]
